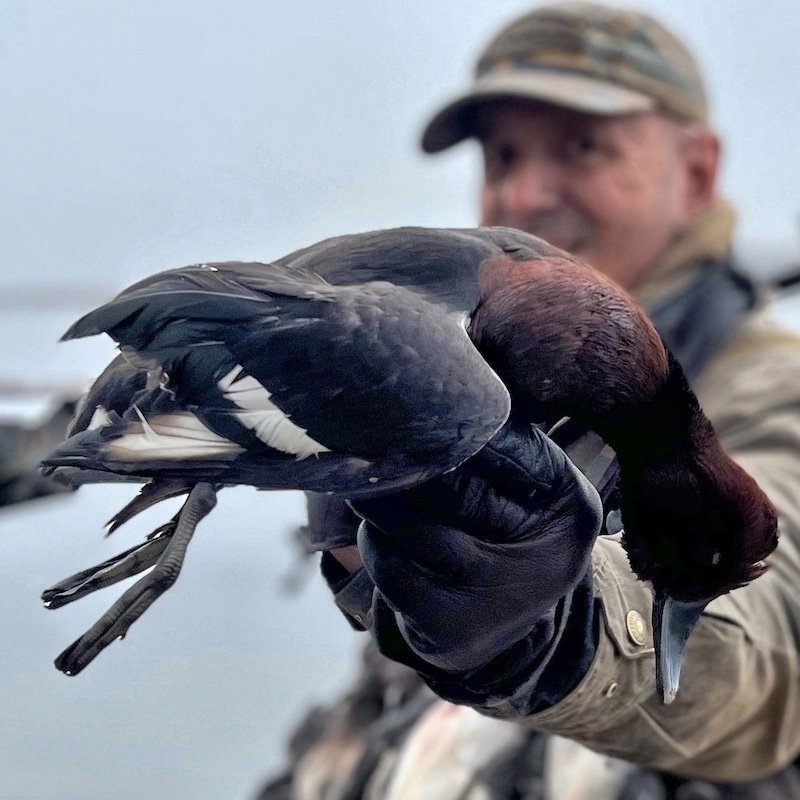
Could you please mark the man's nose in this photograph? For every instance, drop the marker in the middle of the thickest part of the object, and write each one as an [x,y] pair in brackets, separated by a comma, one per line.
[532,187]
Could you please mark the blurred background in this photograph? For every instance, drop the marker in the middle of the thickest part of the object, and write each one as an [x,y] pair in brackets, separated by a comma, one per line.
[147,135]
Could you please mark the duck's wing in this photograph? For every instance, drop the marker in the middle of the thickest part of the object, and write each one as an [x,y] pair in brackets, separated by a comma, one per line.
[274,359]
[226,292]
[380,371]
[439,264]
[442,264]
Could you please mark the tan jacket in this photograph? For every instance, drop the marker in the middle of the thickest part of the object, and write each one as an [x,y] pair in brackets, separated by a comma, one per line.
[737,714]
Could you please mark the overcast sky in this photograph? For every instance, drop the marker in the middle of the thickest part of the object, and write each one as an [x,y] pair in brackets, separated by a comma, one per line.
[143,135]
[146,134]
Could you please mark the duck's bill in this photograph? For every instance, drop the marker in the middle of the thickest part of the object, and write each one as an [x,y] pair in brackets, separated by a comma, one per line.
[673,621]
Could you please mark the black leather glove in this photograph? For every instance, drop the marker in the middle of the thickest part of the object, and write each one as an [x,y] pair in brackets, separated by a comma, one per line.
[476,560]
[331,523]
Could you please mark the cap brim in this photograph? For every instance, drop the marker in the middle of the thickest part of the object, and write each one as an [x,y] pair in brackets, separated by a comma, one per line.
[456,121]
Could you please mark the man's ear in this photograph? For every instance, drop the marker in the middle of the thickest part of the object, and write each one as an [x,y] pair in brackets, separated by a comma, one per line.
[701,154]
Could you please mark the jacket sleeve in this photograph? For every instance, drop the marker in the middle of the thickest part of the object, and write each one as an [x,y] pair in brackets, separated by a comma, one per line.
[737,713]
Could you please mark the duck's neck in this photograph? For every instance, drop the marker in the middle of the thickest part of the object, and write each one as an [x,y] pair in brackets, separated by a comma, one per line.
[696,523]
[668,425]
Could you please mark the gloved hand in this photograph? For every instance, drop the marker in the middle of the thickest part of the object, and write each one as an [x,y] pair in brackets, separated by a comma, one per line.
[331,529]
[473,561]
[331,523]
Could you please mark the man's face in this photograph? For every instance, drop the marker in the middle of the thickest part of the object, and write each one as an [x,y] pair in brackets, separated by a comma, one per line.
[610,190]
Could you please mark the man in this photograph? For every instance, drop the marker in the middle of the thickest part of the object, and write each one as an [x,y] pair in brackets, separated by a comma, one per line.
[594,128]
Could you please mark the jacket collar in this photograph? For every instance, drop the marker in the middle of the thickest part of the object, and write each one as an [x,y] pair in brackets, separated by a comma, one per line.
[707,237]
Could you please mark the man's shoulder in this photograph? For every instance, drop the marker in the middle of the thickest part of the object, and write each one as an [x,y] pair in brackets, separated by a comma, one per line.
[758,337]
[756,369]
[762,327]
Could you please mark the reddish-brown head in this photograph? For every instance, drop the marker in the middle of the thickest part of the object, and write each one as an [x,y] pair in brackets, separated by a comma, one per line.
[565,339]
[696,524]
[560,333]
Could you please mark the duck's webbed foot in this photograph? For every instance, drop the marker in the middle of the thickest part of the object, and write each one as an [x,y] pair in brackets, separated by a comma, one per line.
[125,565]
[135,601]
[132,561]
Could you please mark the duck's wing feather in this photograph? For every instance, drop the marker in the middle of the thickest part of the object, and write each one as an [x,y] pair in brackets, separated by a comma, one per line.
[382,370]
[441,265]
[228,292]
[305,367]
[113,391]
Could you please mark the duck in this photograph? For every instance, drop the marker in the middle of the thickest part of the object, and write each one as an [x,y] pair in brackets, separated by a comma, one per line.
[455,753]
[368,363]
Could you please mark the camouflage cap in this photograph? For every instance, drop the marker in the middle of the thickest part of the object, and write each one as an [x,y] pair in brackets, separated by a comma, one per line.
[585,56]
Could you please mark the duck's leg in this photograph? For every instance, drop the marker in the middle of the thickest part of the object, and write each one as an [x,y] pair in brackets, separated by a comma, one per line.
[132,561]
[115,622]
[125,565]
[150,494]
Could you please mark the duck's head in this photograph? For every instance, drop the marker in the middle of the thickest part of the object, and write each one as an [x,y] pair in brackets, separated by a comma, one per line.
[696,525]
[563,337]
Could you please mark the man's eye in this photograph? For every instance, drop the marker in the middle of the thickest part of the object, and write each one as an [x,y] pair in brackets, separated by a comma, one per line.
[581,144]
[498,158]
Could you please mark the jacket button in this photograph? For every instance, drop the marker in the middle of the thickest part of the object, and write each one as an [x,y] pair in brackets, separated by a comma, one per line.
[634,622]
